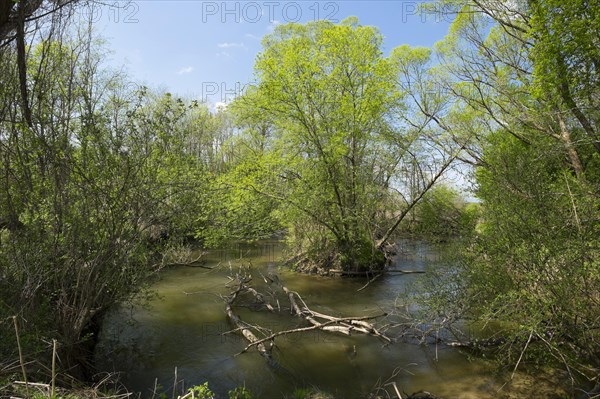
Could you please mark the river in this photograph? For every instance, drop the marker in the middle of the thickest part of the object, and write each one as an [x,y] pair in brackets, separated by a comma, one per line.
[183,326]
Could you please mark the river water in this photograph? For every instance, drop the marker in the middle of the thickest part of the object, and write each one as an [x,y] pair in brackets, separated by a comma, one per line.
[183,328]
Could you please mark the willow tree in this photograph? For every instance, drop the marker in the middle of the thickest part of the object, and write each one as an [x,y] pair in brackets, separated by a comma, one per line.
[332,101]
[524,82]
[81,189]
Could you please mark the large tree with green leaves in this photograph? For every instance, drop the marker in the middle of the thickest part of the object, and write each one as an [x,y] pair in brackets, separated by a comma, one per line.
[93,172]
[523,79]
[331,102]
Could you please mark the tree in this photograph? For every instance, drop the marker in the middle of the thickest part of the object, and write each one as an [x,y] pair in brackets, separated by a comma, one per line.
[330,97]
[84,178]
[443,215]
[14,14]
[523,81]
[566,58]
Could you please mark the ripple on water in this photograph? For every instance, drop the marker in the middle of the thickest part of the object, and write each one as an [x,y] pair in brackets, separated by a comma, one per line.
[185,327]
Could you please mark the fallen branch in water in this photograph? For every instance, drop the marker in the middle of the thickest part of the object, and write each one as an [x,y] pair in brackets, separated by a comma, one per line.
[381,273]
[198,262]
[342,325]
[368,273]
[260,298]
[181,262]
[243,327]
[318,321]
[303,329]
[369,282]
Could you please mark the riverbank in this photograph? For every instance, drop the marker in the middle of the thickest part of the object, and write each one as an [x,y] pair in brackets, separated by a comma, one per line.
[186,327]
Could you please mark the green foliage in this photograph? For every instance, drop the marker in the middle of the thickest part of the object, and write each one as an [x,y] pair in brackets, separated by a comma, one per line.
[443,214]
[236,209]
[202,391]
[526,90]
[91,190]
[535,264]
[328,100]
[100,176]
[240,393]
[566,47]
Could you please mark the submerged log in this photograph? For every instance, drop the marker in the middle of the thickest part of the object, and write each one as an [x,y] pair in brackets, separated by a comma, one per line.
[342,325]
[370,273]
[422,395]
[245,328]
[317,320]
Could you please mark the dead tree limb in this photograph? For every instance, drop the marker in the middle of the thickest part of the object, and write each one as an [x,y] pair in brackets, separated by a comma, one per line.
[260,298]
[243,327]
[342,325]
[369,273]
[416,200]
[318,321]
[369,282]
[301,330]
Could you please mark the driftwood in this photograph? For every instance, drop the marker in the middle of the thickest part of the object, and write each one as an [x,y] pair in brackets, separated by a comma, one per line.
[260,298]
[245,328]
[294,331]
[345,325]
[317,320]
[422,395]
[369,273]
[320,321]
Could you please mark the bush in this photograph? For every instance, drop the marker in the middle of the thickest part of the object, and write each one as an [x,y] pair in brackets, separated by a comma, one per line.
[443,214]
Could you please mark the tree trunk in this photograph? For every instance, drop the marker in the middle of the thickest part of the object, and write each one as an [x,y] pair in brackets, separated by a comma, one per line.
[565,136]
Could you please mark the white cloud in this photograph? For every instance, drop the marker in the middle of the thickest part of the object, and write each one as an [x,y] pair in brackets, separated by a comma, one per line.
[223,54]
[185,70]
[231,45]
[251,36]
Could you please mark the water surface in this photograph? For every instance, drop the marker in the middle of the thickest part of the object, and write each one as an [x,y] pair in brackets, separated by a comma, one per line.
[185,327]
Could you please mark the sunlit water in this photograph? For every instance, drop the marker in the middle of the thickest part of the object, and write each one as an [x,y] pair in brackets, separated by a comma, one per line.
[184,328]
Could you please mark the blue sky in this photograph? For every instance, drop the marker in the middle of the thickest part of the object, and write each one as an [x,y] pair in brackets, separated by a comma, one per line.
[206,49]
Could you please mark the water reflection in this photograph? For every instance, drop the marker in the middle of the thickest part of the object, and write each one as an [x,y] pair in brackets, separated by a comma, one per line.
[185,328]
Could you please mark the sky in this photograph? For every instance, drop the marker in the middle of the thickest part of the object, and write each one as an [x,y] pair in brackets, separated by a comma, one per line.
[206,49]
